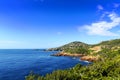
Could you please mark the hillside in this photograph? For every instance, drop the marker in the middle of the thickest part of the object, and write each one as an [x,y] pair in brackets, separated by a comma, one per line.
[71,45]
[115,42]
[110,44]
[106,68]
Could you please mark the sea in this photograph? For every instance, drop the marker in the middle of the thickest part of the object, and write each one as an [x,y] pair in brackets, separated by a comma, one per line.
[15,64]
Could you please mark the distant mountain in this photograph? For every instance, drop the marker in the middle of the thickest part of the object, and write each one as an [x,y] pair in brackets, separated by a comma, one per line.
[71,45]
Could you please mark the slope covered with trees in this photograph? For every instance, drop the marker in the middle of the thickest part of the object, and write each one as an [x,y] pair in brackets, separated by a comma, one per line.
[106,68]
[72,45]
[109,44]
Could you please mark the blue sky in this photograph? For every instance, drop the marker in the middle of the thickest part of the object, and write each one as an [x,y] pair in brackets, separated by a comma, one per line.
[52,23]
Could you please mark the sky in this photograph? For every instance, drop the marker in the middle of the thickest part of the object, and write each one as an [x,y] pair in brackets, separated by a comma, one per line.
[33,24]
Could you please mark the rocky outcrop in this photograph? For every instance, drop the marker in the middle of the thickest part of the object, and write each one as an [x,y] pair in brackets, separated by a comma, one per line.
[68,54]
[82,56]
[90,58]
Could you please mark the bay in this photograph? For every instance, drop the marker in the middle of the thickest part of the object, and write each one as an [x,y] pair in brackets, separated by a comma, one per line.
[15,64]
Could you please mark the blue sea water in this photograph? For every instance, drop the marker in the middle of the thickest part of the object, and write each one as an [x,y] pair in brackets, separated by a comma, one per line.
[15,64]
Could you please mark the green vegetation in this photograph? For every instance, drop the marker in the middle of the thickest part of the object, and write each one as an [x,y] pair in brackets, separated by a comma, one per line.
[71,45]
[109,44]
[76,44]
[78,50]
[107,68]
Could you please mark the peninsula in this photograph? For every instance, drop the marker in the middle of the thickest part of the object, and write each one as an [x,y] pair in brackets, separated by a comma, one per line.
[85,51]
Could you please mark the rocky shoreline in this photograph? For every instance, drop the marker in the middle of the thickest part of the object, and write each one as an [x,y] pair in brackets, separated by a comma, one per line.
[90,58]
[68,54]
[82,56]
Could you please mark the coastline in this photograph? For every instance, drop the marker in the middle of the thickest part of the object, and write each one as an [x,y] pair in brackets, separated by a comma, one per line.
[90,58]
[81,56]
[68,54]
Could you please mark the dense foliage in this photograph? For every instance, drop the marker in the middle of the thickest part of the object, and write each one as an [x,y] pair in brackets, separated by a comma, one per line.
[71,45]
[109,44]
[78,50]
[107,68]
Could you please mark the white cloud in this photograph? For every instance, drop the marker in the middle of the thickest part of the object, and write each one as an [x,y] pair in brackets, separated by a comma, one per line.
[104,14]
[59,33]
[118,31]
[42,0]
[116,5]
[8,42]
[81,29]
[103,28]
[100,7]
